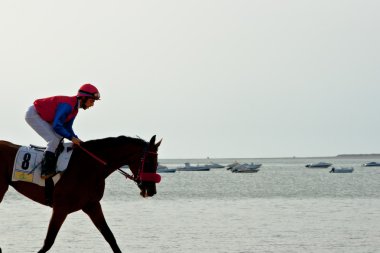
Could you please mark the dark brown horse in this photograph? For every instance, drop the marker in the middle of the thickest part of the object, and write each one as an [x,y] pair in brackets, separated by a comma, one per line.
[81,186]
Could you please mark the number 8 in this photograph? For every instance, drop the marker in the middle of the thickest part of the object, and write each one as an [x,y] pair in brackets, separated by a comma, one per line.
[25,162]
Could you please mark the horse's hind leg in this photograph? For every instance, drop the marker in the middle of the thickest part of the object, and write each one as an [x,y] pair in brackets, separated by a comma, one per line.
[57,219]
[94,211]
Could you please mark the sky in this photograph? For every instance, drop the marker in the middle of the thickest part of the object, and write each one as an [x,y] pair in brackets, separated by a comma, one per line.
[213,78]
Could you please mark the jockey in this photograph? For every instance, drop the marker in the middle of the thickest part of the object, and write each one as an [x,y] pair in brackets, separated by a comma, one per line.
[52,118]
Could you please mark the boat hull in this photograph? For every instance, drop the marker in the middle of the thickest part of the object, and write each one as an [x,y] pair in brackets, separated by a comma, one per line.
[341,170]
[246,171]
[193,169]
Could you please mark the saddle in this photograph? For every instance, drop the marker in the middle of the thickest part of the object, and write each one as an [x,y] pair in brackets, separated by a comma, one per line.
[27,165]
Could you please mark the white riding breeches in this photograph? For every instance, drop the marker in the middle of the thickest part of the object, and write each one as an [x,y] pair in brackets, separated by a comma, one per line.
[43,128]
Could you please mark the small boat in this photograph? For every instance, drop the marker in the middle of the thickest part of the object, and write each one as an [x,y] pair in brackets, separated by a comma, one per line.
[246,168]
[371,164]
[318,165]
[164,169]
[189,167]
[230,166]
[213,165]
[342,170]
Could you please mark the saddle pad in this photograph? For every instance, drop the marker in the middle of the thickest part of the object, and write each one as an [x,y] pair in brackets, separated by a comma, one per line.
[27,165]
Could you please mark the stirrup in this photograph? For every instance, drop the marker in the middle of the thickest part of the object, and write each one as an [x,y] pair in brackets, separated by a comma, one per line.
[47,174]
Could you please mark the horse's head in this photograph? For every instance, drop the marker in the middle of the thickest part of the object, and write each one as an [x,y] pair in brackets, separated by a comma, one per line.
[146,175]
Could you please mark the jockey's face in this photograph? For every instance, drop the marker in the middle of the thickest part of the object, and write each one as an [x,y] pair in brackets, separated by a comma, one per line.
[87,103]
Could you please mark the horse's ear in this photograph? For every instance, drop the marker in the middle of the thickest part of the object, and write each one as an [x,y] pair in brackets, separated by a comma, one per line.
[152,140]
[158,143]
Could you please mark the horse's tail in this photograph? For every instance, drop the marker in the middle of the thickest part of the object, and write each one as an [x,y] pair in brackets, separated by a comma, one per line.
[7,153]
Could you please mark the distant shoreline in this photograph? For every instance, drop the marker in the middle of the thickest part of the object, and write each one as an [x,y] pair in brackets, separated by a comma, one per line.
[358,156]
[342,156]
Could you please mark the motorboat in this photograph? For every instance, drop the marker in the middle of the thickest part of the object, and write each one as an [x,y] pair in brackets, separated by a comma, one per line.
[342,170]
[371,164]
[230,166]
[189,167]
[213,165]
[164,169]
[318,165]
[167,170]
[246,168]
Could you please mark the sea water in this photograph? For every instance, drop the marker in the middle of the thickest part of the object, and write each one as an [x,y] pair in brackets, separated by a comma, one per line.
[285,207]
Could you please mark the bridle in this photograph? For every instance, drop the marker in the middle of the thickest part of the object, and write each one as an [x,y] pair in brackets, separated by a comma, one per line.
[141,175]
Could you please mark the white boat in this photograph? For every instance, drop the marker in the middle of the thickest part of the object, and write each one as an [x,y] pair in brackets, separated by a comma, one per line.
[318,165]
[342,170]
[230,166]
[371,164]
[246,168]
[213,165]
[189,167]
[164,169]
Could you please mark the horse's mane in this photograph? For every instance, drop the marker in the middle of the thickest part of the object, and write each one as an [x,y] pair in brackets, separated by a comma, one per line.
[113,142]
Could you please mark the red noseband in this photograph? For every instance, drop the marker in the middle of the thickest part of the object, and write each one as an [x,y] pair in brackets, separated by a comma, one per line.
[150,177]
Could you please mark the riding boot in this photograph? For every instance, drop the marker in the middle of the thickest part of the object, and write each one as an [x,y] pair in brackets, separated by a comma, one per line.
[48,165]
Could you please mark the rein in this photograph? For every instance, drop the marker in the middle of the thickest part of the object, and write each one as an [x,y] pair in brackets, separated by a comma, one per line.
[93,156]
[141,175]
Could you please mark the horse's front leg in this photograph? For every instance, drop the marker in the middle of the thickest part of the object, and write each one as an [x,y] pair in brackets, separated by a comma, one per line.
[94,211]
[57,219]
[3,187]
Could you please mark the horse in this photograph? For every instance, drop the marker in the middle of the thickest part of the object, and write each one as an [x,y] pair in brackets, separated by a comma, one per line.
[81,186]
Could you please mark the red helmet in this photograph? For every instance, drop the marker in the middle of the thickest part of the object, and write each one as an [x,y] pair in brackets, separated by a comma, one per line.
[88,90]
